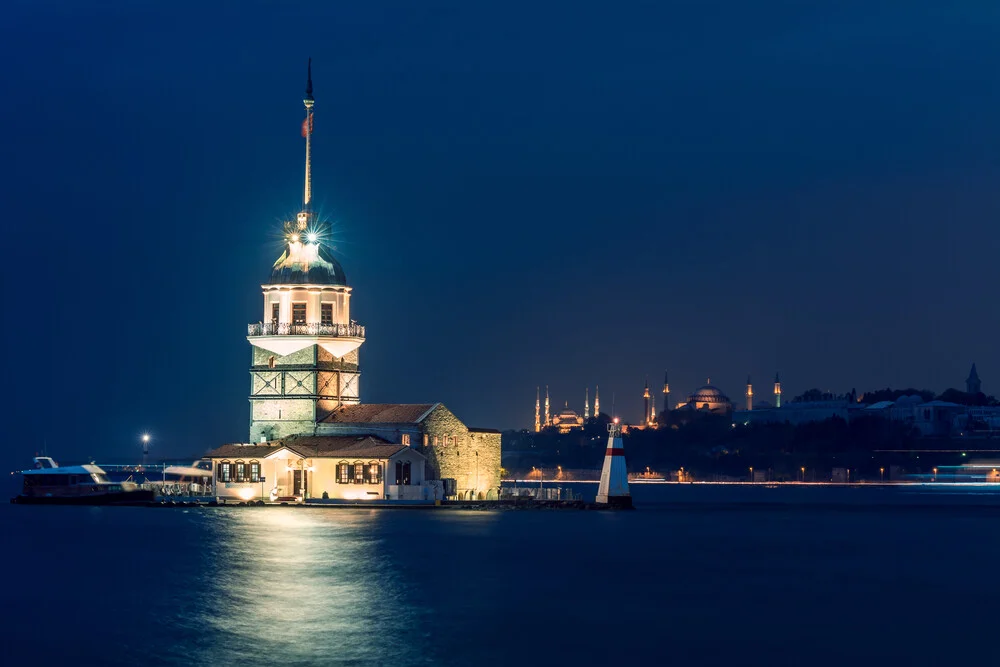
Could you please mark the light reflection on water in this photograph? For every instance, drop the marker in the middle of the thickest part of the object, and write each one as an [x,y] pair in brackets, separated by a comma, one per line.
[304,587]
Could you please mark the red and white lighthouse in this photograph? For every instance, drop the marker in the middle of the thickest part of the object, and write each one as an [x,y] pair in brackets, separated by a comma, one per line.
[613,490]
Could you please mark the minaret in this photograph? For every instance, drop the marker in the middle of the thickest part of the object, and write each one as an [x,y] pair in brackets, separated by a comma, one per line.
[597,401]
[645,403]
[548,419]
[666,393]
[777,391]
[972,384]
[538,425]
[749,395]
[305,346]
[586,403]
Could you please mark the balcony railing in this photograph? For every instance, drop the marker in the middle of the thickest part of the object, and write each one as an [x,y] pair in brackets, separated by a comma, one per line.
[352,330]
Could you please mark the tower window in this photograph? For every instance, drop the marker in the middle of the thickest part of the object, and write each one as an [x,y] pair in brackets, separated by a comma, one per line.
[270,361]
[406,439]
[275,309]
[298,313]
[326,313]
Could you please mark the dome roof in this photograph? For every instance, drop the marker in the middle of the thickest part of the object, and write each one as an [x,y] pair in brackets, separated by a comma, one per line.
[307,264]
[709,394]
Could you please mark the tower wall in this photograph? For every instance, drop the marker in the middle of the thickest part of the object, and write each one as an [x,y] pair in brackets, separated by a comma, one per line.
[472,458]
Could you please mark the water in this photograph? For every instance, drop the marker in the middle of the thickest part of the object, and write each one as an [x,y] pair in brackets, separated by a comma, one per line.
[700,582]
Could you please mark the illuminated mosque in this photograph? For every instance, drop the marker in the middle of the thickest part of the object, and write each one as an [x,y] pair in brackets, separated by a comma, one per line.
[707,399]
[311,436]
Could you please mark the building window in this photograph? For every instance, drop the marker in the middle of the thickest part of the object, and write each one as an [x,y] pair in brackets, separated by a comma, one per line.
[270,361]
[426,439]
[275,309]
[298,313]
[225,471]
[405,439]
[343,473]
[326,313]
[373,473]
[435,441]
[255,471]
[359,473]
[402,473]
[240,470]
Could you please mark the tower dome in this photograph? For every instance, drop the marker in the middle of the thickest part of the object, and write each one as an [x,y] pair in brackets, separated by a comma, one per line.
[306,262]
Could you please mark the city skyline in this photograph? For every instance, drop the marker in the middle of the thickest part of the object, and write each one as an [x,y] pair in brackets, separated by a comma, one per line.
[687,196]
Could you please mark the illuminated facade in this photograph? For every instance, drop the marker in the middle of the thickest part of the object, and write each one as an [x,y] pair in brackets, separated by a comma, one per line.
[305,347]
[566,420]
[710,399]
[310,434]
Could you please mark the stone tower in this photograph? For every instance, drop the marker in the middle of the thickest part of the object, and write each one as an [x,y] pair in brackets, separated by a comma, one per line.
[972,383]
[305,347]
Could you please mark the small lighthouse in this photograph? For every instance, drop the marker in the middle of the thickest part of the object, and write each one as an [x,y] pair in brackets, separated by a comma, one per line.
[613,490]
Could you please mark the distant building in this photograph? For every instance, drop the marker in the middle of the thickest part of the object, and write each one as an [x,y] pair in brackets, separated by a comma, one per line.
[972,383]
[567,420]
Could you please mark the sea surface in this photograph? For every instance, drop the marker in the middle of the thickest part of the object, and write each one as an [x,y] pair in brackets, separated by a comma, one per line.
[695,576]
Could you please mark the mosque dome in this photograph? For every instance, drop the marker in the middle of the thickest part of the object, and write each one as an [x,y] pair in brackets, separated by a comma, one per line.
[710,397]
[307,264]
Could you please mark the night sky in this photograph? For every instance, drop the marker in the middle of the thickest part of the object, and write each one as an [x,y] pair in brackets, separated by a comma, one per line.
[523,194]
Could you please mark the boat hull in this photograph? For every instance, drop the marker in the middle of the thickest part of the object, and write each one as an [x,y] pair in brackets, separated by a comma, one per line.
[137,497]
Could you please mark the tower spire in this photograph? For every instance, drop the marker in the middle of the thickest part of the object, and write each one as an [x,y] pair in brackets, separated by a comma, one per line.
[586,403]
[666,392]
[597,400]
[307,130]
[749,395]
[777,391]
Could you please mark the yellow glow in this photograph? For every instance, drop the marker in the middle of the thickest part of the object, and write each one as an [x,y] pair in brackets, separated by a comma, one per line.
[295,238]
[246,494]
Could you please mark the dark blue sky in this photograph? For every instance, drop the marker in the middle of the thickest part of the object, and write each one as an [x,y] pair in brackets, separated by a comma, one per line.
[524,193]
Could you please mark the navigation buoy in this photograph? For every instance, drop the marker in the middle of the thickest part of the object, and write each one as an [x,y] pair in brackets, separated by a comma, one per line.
[613,490]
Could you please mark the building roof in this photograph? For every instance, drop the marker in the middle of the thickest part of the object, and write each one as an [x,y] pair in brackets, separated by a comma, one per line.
[314,446]
[708,394]
[483,430]
[380,413]
[307,264]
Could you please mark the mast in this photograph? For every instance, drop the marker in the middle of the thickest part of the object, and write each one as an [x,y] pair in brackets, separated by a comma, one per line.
[307,130]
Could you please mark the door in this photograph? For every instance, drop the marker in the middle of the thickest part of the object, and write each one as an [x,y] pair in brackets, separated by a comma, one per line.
[300,482]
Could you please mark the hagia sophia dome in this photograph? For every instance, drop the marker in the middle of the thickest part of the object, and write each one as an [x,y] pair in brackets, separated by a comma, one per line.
[709,397]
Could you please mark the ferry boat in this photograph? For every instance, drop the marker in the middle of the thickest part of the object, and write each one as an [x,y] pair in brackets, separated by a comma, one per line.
[48,484]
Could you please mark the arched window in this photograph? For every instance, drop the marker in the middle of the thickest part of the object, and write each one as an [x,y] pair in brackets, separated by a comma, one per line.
[225,471]
[270,361]
[359,472]
[240,471]
[343,473]
[402,473]
[373,473]
[255,471]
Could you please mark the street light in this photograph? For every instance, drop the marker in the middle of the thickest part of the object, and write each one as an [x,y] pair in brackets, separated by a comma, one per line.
[751,474]
[935,475]
[881,474]
[803,469]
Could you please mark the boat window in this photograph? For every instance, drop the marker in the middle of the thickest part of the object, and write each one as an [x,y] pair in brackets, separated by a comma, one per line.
[100,479]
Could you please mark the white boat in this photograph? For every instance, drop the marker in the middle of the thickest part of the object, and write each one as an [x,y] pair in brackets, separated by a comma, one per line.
[49,484]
